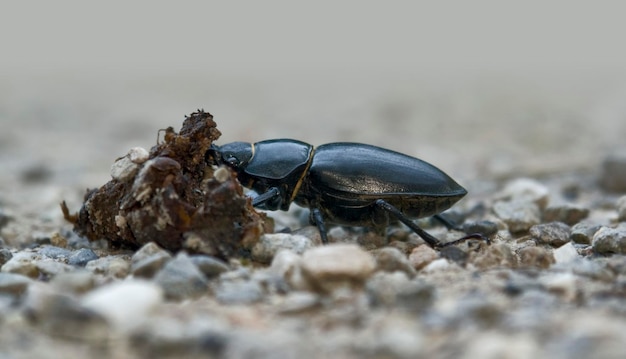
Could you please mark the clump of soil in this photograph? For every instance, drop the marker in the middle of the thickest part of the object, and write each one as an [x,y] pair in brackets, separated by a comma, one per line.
[173,196]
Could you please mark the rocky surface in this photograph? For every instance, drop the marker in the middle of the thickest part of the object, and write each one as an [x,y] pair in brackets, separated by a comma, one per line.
[552,283]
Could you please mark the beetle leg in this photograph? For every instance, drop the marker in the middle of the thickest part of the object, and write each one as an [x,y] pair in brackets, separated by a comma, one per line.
[264,200]
[318,219]
[430,239]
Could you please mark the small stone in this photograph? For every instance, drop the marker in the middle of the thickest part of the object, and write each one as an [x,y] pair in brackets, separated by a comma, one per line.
[81,257]
[497,255]
[146,251]
[555,233]
[210,266]
[148,260]
[454,254]
[593,269]
[565,254]
[125,304]
[486,228]
[537,257]
[181,279]
[247,292]
[390,259]
[58,240]
[337,266]
[117,266]
[563,284]
[55,252]
[50,268]
[613,177]
[526,190]
[5,255]
[148,267]
[568,214]
[437,265]
[299,302]
[62,316]
[608,240]
[77,282]
[621,209]
[422,255]
[519,215]
[14,284]
[138,155]
[22,263]
[123,169]
[583,232]
[269,244]
[287,265]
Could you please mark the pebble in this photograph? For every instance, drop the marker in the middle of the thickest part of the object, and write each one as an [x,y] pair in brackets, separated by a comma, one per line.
[390,259]
[486,228]
[565,254]
[608,240]
[77,282]
[22,263]
[337,265]
[554,233]
[50,268]
[613,176]
[519,215]
[239,292]
[14,284]
[621,209]
[5,218]
[81,257]
[55,252]
[287,265]
[568,214]
[298,302]
[269,244]
[497,255]
[583,232]
[564,284]
[117,266]
[5,255]
[63,316]
[437,265]
[525,190]
[148,260]
[422,255]
[181,279]
[125,304]
[537,257]
[211,267]
[454,254]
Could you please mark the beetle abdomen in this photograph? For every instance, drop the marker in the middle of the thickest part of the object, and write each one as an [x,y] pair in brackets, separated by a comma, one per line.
[361,169]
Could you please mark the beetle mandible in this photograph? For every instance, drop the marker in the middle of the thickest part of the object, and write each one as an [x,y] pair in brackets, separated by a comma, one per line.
[344,183]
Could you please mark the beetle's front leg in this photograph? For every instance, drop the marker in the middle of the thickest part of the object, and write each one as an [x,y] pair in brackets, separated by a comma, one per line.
[318,220]
[270,200]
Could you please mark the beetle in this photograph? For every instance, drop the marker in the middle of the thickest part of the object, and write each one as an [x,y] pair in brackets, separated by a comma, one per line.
[344,183]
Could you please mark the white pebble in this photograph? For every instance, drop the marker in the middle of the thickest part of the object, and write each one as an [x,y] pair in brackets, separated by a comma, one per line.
[126,304]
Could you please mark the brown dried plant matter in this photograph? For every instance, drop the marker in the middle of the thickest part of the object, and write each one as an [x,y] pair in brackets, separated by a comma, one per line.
[173,198]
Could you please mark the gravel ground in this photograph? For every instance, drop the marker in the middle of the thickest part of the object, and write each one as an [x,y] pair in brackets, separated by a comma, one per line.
[541,161]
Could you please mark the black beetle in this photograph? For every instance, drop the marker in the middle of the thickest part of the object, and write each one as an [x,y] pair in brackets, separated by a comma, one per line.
[345,183]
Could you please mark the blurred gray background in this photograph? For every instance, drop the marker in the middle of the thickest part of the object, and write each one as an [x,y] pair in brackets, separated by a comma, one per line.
[481,88]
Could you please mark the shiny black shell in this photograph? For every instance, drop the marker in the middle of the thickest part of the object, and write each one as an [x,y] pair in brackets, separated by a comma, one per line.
[345,179]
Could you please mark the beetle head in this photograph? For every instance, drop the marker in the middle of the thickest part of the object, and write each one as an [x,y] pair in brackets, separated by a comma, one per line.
[235,154]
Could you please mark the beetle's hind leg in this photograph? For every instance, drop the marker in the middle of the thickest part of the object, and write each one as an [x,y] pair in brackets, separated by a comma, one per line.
[427,237]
